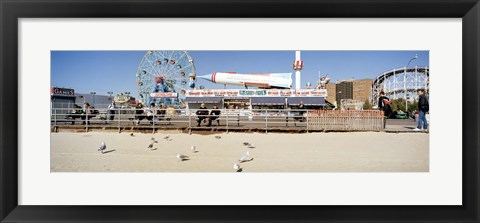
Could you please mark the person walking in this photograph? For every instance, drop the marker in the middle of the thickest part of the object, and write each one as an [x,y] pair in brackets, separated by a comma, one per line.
[423,109]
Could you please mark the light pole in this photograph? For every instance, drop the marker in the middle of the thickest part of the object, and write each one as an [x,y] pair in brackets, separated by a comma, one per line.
[93,93]
[405,81]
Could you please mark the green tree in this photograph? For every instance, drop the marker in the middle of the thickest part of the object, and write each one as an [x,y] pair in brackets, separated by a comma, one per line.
[367,105]
[398,104]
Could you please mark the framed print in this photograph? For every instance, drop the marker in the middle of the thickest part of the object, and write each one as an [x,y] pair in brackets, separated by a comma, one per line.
[206,111]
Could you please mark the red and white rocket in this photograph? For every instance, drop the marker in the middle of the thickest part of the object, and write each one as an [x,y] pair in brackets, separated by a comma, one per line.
[267,80]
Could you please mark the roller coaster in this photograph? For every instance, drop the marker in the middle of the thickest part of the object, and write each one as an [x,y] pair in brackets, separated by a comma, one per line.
[401,83]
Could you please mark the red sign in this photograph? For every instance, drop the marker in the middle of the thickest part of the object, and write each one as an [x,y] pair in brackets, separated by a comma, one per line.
[164,95]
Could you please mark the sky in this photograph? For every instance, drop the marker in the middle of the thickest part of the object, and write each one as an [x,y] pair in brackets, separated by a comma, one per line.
[104,71]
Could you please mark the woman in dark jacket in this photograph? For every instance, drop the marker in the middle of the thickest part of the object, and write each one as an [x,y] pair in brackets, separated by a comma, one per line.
[384,104]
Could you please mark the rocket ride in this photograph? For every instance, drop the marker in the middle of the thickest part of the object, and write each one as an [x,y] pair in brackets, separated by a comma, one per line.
[266,81]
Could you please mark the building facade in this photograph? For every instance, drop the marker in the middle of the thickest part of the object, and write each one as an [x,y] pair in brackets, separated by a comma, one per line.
[332,92]
[358,90]
[362,89]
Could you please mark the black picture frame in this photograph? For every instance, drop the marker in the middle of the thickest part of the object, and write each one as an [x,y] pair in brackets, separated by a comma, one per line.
[11,11]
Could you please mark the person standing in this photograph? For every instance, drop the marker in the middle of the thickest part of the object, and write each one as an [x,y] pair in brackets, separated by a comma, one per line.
[86,113]
[423,109]
[384,104]
[111,110]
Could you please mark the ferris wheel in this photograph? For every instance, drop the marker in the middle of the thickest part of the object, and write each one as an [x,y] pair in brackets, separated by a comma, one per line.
[164,77]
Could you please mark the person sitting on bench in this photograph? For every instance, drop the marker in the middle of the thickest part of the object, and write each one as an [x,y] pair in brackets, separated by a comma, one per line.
[160,115]
[214,115]
[300,116]
[140,113]
[202,114]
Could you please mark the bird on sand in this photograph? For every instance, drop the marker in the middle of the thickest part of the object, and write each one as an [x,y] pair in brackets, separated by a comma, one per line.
[250,145]
[182,157]
[166,137]
[131,134]
[150,145]
[102,147]
[153,139]
[245,157]
[237,167]
[218,137]
[193,149]
[246,143]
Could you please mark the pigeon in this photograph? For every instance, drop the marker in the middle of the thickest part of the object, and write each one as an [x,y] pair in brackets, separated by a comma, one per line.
[193,149]
[246,143]
[182,157]
[102,147]
[244,157]
[150,146]
[237,167]
[218,137]
[131,134]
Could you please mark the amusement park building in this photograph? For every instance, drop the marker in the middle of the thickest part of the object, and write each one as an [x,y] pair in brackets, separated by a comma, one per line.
[257,98]
[65,98]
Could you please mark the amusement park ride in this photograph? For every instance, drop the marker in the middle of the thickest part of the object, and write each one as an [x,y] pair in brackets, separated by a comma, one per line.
[166,76]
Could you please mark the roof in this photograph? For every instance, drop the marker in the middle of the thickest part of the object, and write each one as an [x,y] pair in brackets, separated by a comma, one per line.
[306,100]
[268,100]
[203,99]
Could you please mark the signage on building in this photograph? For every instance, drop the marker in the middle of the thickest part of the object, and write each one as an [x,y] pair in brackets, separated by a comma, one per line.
[62,91]
[164,95]
[257,93]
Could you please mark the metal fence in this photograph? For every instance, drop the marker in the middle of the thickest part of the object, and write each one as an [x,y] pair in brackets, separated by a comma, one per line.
[229,119]
[346,120]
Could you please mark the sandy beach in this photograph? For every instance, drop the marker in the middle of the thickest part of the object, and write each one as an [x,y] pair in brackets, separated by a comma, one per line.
[273,152]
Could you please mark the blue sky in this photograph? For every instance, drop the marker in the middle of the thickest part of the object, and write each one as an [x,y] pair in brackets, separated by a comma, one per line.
[104,71]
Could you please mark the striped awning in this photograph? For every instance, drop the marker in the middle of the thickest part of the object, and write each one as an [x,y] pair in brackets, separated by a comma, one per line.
[203,100]
[268,100]
[306,100]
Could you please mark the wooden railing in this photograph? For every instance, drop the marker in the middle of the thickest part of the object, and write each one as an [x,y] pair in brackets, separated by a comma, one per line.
[346,120]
